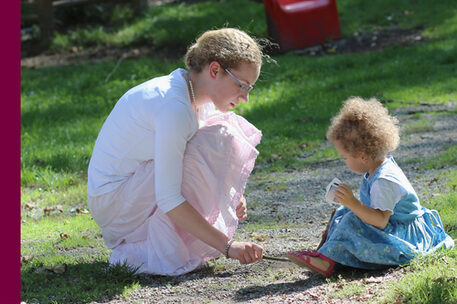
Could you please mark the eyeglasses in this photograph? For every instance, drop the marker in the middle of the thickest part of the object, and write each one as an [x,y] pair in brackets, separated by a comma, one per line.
[247,88]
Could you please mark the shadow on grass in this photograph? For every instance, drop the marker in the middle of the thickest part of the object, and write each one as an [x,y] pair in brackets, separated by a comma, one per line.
[98,281]
[82,282]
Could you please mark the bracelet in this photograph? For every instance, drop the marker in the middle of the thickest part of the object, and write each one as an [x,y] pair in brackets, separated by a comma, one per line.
[227,247]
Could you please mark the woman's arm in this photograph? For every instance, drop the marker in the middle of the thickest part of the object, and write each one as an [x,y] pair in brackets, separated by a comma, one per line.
[186,217]
[376,217]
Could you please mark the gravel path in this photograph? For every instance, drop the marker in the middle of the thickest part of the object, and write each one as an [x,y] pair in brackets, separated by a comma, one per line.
[287,212]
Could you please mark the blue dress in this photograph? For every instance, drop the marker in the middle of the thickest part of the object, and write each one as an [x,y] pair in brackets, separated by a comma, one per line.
[411,230]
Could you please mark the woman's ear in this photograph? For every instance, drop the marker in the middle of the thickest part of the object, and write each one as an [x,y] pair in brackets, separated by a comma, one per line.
[214,68]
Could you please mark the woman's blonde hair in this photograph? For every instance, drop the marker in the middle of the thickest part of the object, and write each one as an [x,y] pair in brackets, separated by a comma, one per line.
[228,46]
[365,126]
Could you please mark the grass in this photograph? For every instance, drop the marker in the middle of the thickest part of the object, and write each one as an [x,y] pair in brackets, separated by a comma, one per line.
[74,241]
[443,159]
[445,202]
[63,108]
[433,278]
[422,125]
[430,279]
[167,26]
[81,282]
[345,289]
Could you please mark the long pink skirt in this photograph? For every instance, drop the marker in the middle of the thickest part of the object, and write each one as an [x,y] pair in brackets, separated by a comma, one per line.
[217,163]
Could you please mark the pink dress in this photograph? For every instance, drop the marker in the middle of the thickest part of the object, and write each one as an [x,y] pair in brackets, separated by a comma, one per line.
[217,163]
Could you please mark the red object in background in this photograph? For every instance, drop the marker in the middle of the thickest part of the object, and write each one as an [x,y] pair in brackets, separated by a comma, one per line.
[298,24]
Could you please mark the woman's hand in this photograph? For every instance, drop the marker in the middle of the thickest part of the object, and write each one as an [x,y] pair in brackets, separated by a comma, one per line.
[245,252]
[241,209]
[345,196]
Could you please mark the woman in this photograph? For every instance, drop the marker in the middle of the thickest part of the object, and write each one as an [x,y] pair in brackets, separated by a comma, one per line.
[166,197]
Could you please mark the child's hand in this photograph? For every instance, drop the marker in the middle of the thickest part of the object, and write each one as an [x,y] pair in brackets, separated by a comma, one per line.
[241,209]
[345,196]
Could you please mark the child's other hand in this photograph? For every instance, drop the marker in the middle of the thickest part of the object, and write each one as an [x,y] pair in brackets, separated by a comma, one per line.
[241,209]
[245,252]
[344,195]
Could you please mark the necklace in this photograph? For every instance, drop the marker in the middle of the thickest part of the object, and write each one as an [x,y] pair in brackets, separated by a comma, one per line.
[194,105]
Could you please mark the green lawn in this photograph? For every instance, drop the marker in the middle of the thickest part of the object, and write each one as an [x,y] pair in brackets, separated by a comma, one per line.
[63,108]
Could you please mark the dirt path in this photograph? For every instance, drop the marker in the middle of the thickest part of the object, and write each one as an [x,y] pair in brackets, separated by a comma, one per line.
[286,213]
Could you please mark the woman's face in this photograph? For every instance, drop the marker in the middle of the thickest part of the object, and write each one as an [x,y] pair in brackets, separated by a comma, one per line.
[228,93]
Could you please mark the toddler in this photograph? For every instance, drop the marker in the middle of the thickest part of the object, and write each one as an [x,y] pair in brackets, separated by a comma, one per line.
[387,226]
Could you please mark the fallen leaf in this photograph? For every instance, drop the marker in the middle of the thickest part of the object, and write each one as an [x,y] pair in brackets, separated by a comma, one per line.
[433,181]
[312,294]
[47,210]
[372,280]
[26,258]
[79,210]
[259,237]
[29,206]
[59,268]
[82,211]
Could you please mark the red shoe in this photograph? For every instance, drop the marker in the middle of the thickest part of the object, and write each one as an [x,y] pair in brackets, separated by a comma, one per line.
[301,258]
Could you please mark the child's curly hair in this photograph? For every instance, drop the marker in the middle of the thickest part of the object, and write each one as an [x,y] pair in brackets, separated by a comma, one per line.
[364,126]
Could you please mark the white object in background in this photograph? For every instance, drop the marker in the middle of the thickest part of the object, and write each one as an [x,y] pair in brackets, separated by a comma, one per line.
[330,194]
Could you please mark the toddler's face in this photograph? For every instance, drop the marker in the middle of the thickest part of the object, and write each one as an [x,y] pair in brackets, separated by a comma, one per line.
[355,164]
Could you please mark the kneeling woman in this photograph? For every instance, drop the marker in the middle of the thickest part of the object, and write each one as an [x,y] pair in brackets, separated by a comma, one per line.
[168,170]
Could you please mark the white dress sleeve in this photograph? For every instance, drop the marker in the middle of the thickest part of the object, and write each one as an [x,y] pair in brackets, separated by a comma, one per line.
[384,194]
[173,128]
